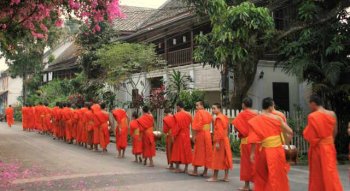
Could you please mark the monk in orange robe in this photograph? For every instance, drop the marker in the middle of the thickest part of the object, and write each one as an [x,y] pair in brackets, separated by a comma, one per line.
[96,131]
[136,138]
[9,116]
[47,118]
[68,119]
[24,118]
[203,150]
[55,120]
[182,151]
[271,165]
[84,124]
[103,119]
[90,125]
[320,132]
[168,125]
[121,131]
[222,155]
[146,123]
[79,125]
[243,128]
[75,124]
[31,118]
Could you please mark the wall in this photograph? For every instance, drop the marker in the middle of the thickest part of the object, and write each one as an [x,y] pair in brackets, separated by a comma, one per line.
[204,78]
[261,88]
[14,90]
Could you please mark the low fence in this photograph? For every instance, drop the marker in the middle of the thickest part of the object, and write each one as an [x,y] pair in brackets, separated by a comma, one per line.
[297,140]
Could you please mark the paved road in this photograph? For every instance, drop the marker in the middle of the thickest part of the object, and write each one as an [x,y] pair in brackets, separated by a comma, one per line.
[30,161]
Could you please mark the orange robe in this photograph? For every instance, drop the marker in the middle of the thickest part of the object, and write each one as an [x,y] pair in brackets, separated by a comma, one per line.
[79,127]
[182,151]
[96,136]
[25,118]
[9,116]
[271,167]
[31,118]
[84,124]
[47,119]
[146,123]
[68,119]
[136,137]
[90,126]
[243,127]
[75,123]
[322,154]
[168,124]
[103,118]
[203,150]
[121,133]
[222,156]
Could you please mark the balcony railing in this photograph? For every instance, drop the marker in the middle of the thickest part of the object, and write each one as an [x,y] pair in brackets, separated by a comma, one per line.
[178,57]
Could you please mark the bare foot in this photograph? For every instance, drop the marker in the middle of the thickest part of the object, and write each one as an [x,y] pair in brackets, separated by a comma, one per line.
[244,189]
[212,180]
[151,165]
[193,174]
[225,180]
[204,175]
[178,171]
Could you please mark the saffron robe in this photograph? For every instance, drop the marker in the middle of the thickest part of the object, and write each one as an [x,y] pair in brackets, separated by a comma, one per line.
[103,119]
[222,155]
[324,174]
[121,133]
[146,123]
[168,126]
[136,137]
[9,116]
[84,124]
[182,151]
[96,128]
[271,167]
[67,115]
[203,150]
[25,118]
[243,127]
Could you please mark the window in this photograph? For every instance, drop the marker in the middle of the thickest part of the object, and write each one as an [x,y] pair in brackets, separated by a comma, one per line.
[281,95]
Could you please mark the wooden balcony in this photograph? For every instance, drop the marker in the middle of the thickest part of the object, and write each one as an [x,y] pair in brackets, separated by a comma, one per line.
[178,57]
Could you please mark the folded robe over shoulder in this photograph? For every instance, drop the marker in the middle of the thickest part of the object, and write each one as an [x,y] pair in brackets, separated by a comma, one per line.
[146,123]
[322,154]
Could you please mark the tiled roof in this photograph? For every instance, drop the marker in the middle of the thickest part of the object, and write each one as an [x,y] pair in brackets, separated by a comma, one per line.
[66,60]
[168,10]
[134,16]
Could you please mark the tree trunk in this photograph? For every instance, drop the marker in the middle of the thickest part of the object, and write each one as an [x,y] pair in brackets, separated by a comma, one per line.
[244,75]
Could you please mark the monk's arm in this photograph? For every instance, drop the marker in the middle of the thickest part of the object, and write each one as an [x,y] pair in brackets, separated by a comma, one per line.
[287,132]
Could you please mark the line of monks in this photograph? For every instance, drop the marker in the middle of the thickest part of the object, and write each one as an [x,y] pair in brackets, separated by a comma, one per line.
[263,135]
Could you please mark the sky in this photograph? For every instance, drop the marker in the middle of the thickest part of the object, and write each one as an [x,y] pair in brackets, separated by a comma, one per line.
[138,3]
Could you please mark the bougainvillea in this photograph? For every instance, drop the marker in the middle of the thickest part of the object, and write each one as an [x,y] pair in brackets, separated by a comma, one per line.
[20,16]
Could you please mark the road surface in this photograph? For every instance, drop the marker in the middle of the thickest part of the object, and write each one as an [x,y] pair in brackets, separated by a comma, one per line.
[30,161]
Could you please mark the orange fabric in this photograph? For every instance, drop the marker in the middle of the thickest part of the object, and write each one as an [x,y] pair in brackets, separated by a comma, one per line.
[146,123]
[103,118]
[75,124]
[84,125]
[182,151]
[280,114]
[47,119]
[271,167]
[55,121]
[25,118]
[203,150]
[96,127]
[222,156]
[136,137]
[31,118]
[323,175]
[67,118]
[90,126]
[244,131]
[168,124]
[121,133]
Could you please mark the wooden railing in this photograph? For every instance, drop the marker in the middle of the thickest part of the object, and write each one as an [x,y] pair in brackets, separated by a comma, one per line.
[178,57]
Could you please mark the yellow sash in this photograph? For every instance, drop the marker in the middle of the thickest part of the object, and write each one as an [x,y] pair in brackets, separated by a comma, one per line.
[327,141]
[273,141]
[206,127]
[137,132]
[244,141]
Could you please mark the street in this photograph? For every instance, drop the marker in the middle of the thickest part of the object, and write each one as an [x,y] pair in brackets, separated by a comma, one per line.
[30,161]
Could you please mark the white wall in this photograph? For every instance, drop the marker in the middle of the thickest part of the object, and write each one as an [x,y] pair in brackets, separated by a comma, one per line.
[261,88]
[14,90]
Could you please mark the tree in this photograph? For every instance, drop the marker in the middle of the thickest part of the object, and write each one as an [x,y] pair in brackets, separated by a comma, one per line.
[178,82]
[121,61]
[240,34]
[318,53]
[21,17]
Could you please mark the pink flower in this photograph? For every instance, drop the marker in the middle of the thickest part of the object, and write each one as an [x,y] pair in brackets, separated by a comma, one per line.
[15,2]
[38,35]
[59,23]
[97,28]
[43,27]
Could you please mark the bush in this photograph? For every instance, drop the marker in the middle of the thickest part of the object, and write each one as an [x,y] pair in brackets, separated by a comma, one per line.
[191,97]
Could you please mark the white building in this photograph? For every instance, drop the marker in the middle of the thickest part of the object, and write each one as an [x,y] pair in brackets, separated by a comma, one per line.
[10,90]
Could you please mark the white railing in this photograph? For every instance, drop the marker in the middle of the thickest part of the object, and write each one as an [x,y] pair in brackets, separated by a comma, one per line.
[297,140]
